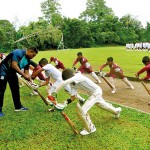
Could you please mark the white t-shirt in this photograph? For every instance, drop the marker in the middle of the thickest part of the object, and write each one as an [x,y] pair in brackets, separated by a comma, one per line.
[51,71]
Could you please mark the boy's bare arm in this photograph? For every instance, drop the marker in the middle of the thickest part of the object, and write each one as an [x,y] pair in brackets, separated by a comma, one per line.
[44,83]
[101,67]
[35,74]
[141,71]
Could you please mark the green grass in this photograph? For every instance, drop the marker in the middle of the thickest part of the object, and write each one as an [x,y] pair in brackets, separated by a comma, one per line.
[130,61]
[40,130]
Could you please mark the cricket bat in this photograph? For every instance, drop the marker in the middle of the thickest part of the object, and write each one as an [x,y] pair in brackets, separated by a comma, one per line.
[42,97]
[143,83]
[146,88]
[70,123]
[108,82]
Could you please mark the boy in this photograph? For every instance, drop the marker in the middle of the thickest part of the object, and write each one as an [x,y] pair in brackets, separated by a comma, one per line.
[58,64]
[85,66]
[33,68]
[115,71]
[78,81]
[146,62]
[51,71]
[14,62]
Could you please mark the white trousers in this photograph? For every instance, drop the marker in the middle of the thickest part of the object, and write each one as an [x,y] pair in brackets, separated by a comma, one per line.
[100,102]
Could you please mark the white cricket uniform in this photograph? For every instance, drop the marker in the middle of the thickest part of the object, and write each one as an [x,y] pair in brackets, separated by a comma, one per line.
[51,71]
[78,81]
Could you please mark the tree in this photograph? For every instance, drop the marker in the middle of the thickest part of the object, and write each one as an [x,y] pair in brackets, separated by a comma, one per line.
[50,9]
[40,34]
[77,33]
[7,33]
[130,29]
[96,10]
[147,33]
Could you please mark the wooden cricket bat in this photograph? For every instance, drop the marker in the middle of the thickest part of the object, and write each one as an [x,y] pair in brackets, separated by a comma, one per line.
[108,82]
[42,97]
[71,124]
[143,83]
[105,79]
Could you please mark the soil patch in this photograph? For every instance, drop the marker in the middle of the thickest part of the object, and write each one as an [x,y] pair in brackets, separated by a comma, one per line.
[137,98]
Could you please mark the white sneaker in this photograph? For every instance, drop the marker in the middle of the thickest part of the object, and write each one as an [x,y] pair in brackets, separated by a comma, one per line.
[21,85]
[85,132]
[118,110]
[33,93]
[51,110]
[113,91]
[81,101]
[49,102]
[99,82]
[132,87]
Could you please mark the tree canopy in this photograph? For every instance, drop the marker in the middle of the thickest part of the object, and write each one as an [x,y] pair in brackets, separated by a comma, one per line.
[96,26]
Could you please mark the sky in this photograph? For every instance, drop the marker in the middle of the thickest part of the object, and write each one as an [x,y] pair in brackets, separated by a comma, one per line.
[23,11]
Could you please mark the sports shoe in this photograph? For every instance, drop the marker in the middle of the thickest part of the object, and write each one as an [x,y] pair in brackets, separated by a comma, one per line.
[1,114]
[99,82]
[21,85]
[60,106]
[132,87]
[51,109]
[22,109]
[81,101]
[118,110]
[33,93]
[113,91]
[49,102]
[85,132]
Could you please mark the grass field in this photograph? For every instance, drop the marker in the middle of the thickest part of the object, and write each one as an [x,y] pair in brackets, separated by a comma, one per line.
[40,130]
[130,61]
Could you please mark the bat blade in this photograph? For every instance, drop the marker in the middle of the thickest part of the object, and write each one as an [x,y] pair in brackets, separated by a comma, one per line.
[146,88]
[143,83]
[42,97]
[108,82]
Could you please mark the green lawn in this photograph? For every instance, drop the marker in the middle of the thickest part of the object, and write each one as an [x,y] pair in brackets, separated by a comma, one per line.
[130,61]
[41,130]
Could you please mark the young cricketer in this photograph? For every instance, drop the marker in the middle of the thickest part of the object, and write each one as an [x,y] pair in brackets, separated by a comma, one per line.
[146,68]
[80,82]
[115,71]
[85,66]
[58,63]
[52,72]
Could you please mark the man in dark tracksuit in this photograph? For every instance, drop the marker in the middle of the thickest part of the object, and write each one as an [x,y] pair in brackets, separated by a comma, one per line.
[9,67]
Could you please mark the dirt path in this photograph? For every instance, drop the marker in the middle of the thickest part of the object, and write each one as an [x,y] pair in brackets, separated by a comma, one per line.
[137,98]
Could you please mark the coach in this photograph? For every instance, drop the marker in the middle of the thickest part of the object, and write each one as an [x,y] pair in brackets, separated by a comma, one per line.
[14,63]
